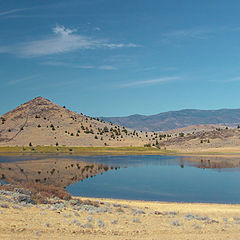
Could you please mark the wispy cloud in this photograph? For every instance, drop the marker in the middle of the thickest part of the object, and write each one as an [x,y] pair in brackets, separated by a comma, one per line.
[236,79]
[22,80]
[74,65]
[148,82]
[107,67]
[12,11]
[200,33]
[67,64]
[188,33]
[62,40]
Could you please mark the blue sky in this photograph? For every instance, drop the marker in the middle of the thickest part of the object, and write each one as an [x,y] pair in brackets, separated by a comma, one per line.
[116,58]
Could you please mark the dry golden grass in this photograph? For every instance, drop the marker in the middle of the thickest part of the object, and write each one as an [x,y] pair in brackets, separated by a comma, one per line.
[30,223]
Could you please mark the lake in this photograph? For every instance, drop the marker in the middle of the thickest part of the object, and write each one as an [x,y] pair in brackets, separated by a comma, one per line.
[158,178]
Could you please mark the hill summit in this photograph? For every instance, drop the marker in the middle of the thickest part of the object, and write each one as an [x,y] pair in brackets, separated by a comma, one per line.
[42,122]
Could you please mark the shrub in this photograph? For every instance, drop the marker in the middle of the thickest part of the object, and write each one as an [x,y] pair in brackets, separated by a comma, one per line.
[105,129]
[3,120]
[41,192]
[147,145]
[181,134]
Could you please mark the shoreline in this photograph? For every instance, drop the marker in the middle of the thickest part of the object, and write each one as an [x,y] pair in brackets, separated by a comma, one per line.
[87,151]
[153,201]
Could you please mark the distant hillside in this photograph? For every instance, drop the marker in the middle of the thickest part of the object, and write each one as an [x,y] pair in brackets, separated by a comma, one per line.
[177,119]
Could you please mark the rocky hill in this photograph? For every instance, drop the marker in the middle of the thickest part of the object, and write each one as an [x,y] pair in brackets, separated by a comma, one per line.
[42,122]
[177,119]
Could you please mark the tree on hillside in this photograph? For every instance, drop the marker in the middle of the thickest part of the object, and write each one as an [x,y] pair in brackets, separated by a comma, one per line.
[105,129]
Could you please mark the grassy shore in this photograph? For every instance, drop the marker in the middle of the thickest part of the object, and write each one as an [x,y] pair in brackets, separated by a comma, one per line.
[220,152]
[87,150]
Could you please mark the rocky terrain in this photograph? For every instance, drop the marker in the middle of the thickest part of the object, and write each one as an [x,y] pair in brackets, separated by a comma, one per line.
[81,218]
[203,140]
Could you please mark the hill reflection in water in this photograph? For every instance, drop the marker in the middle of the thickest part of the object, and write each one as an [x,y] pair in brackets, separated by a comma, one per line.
[160,178]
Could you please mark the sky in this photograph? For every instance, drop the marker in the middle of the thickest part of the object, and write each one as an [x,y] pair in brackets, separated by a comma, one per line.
[121,57]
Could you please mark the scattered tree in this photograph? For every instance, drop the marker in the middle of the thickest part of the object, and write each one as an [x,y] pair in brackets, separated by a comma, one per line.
[181,134]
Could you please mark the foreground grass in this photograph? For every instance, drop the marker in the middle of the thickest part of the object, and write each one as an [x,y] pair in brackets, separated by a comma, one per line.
[86,150]
[154,220]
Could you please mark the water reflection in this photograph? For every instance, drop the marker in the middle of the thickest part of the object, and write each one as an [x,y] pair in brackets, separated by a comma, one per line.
[164,178]
[57,172]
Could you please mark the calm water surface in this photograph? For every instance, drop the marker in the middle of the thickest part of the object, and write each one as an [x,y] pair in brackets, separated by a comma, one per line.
[160,178]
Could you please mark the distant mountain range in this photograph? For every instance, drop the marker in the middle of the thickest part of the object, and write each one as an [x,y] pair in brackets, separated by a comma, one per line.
[177,119]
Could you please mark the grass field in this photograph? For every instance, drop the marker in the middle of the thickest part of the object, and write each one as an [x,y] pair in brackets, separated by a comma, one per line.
[86,150]
[220,152]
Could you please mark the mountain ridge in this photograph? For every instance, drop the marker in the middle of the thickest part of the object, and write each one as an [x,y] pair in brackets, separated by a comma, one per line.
[177,119]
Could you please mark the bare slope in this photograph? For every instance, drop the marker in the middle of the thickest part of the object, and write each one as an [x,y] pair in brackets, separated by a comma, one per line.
[211,141]
[41,122]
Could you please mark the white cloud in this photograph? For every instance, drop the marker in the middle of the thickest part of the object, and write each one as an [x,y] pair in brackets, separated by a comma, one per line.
[97,29]
[63,40]
[75,65]
[192,33]
[148,82]
[12,11]
[236,79]
[107,67]
[67,64]
[22,80]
